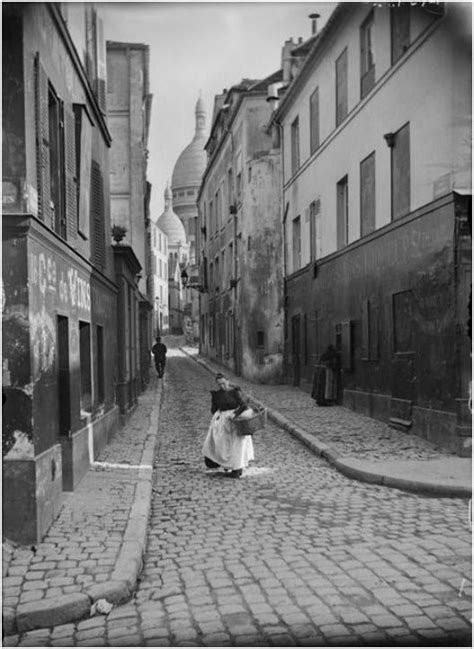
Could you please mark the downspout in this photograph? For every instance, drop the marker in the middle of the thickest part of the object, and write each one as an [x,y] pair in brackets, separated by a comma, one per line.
[285,214]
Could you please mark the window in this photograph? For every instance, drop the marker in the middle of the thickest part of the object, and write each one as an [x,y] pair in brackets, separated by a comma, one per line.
[367,195]
[295,146]
[56,163]
[400,30]
[97,216]
[85,363]
[400,167]
[314,120]
[230,262]
[239,185]
[296,243]
[83,164]
[64,396]
[367,62]
[224,270]
[314,213]
[369,320]
[211,218]
[216,273]
[230,188]
[342,213]
[99,360]
[341,87]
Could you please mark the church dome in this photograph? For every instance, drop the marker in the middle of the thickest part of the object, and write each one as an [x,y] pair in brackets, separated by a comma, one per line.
[170,223]
[191,164]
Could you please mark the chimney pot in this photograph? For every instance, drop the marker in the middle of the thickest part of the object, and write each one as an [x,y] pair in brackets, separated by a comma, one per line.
[314,22]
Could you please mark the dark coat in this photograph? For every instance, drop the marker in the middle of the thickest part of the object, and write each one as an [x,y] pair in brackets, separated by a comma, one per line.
[230,399]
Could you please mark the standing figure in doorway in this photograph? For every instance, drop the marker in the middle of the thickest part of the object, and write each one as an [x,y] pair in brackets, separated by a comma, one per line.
[159,352]
[223,447]
[326,376]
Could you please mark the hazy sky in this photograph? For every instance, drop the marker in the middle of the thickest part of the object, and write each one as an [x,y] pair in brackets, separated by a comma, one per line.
[201,47]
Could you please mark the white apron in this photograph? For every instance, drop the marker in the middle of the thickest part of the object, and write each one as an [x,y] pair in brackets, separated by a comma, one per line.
[222,444]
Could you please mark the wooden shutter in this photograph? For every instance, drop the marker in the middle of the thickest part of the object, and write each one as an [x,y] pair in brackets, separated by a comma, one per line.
[401,173]
[342,198]
[97,216]
[70,173]
[314,120]
[341,87]
[42,143]
[400,30]
[367,195]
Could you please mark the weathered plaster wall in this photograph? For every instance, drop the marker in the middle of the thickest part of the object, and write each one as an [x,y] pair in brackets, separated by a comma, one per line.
[13,116]
[261,301]
[435,106]
[41,35]
[413,255]
[17,413]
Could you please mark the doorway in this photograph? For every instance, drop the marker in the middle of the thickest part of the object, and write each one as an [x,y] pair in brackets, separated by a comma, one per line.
[63,376]
[296,348]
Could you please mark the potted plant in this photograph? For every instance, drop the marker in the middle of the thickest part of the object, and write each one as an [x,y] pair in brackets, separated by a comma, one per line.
[118,233]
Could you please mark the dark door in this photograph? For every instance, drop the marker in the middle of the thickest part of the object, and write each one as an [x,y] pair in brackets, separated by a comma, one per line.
[63,376]
[403,383]
[296,348]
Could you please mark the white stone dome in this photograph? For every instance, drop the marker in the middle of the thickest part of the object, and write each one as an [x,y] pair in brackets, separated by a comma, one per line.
[170,223]
[191,164]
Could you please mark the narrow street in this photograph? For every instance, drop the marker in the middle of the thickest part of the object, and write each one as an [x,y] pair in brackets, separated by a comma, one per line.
[292,554]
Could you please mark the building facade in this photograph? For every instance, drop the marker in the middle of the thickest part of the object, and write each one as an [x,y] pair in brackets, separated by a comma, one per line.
[59,291]
[185,183]
[159,280]
[241,307]
[129,106]
[178,258]
[377,245]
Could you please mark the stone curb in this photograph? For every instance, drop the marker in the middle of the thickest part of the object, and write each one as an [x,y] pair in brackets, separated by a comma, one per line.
[74,607]
[347,466]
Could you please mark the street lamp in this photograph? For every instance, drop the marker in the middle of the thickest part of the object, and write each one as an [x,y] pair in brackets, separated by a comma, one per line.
[184,278]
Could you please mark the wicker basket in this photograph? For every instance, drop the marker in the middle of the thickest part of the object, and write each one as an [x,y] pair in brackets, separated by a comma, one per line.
[252,425]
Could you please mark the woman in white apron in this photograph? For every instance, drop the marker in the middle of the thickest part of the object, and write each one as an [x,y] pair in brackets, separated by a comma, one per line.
[223,447]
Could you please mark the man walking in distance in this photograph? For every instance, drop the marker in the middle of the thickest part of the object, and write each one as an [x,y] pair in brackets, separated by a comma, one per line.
[159,352]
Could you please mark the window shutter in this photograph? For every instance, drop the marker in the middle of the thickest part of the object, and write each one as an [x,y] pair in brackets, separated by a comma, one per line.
[42,143]
[97,216]
[70,173]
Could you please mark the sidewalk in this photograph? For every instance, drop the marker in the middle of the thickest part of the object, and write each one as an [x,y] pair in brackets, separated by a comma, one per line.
[94,549]
[359,447]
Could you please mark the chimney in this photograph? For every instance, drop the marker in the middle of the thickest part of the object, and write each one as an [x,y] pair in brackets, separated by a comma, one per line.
[314,23]
[286,59]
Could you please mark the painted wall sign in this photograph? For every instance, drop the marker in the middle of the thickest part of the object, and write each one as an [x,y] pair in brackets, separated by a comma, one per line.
[50,275]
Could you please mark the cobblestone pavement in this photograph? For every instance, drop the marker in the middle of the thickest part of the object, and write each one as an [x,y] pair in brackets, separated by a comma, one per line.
[82,545]
[293,554]
[348,432]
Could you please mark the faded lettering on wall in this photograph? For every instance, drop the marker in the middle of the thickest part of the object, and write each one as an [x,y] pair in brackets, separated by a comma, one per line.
[71,289]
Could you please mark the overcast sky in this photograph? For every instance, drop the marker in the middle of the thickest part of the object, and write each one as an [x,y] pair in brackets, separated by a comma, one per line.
[201,47]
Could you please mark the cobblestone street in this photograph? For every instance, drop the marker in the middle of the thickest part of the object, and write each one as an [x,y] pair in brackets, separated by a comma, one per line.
[292,554]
